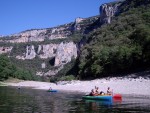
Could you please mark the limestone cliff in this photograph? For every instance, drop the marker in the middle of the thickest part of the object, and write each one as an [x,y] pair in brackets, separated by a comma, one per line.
[30,52]
[58,45]
[59,32]
[47,51]
[107,12]
[28,36]
[5,49]
[77,24]
[65,52]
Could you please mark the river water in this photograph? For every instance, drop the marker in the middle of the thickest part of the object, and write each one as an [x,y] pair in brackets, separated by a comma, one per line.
[26,100]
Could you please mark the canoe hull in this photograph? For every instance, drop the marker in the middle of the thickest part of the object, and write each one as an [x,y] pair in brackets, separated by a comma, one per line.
[105,98]
[115,97]
[52,90]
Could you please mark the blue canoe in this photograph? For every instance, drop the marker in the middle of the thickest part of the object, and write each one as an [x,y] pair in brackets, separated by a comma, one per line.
[101,97]
[52,91]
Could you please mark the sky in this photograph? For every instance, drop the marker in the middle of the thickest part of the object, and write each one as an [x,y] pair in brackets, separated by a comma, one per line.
[20,15]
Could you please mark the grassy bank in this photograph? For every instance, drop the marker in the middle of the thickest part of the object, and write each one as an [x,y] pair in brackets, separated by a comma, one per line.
[10,80]
[2,84]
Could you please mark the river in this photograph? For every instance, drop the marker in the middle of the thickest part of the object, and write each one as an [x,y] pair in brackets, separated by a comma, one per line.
[27,100]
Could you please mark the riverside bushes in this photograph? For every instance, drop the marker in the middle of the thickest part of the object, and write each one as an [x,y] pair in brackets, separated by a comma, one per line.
[7,69]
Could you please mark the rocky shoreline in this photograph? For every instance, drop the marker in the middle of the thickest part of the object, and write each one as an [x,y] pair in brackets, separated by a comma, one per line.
[136,86]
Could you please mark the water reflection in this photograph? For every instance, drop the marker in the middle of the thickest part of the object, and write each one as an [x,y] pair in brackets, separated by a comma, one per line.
[38,101]
[99,103]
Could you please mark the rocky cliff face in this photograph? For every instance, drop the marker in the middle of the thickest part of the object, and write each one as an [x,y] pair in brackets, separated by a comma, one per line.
[107,12]
[47,51]
[62,52]
[28,36]
[65,52]
[5,49]
[30,52]
[59,32]
[40,35]
[77,26]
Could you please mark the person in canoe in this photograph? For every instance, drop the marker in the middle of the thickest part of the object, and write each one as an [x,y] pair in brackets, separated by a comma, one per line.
[92,93]
[50,88]
[109,92]
[97,91]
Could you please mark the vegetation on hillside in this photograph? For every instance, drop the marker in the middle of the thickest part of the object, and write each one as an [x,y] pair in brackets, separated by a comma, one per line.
[122,46]
[7,69]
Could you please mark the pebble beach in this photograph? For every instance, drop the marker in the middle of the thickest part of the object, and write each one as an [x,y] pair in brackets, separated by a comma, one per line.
[119,85]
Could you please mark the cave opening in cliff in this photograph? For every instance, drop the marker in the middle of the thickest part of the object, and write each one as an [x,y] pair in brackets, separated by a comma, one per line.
[52,61]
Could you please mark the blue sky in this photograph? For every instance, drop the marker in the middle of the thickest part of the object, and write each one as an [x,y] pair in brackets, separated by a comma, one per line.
[20,15]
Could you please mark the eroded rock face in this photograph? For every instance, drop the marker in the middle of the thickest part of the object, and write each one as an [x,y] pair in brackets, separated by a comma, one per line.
[59,32]
[43,65]
[5,49]
[59,54]
[30,52]
[47,51]
[65,52]
[107,11]
[77,24]
[43,51]
[20,57]
[50,72]
[39,35]
[28,36]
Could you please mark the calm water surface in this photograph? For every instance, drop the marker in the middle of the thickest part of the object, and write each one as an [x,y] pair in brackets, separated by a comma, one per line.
[25,100]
